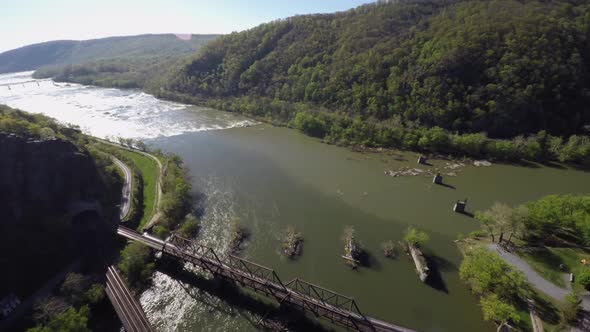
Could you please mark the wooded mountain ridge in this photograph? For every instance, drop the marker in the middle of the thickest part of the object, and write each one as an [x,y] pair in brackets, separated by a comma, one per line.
[502,67]
[63,52]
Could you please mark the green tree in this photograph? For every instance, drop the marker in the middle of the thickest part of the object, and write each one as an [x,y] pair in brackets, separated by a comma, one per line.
[502,219]
[486,273]
[571,307]
[71,320]
[161,232]
[583,278]
[415,237]
[74,287]
[48,308]
[135,264]
[309,124]
[496,310]
[94,294]
[189,227]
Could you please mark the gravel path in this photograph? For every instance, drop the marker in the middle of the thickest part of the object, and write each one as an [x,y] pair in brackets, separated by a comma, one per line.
[555,292]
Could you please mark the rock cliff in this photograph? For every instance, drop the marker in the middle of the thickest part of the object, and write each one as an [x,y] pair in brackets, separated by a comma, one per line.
[40,177]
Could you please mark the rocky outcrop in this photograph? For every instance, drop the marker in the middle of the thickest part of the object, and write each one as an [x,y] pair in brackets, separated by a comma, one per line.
[40,177]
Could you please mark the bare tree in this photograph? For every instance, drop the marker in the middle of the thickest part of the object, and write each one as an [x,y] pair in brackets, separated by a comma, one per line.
[47,308]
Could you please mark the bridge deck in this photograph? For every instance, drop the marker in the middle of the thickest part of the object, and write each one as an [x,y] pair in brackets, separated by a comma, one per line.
[338,309]
[26,82]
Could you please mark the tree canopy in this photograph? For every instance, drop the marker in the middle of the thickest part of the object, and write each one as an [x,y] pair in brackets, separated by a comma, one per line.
[502,67]
[135,264]
[487,273]
[415,237]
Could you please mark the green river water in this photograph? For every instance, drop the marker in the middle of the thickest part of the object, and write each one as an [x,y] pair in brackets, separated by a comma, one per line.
[270,177]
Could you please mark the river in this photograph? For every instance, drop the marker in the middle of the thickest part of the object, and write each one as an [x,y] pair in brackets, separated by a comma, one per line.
[268,177]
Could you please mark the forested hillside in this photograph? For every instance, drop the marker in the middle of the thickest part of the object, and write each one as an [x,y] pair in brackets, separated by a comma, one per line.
[123,72]
[503,67]
[71,52]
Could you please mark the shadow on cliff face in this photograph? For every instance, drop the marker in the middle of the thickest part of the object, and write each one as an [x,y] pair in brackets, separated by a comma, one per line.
[90,232]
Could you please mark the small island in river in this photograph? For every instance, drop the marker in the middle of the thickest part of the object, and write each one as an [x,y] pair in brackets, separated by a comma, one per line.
[292,242]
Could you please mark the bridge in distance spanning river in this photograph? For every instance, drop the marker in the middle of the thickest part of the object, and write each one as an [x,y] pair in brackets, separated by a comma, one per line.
[22,83]
[299,294]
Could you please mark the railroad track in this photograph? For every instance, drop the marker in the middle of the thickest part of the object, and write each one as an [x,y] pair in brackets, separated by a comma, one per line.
[128,309]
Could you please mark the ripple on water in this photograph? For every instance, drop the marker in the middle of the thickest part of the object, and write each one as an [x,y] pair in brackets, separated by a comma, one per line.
[112,112]
[172,305]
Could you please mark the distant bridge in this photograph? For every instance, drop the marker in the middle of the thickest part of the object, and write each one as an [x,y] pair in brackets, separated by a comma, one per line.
[22,83]
[337,308]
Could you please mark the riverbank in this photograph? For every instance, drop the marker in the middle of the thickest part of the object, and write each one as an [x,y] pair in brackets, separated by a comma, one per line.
[147,171]
[150,173]
[371,135]
[543,301]
[361,134]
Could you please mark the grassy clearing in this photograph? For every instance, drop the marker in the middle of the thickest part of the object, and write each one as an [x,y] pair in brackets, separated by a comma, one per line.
[546,262]
[149,174]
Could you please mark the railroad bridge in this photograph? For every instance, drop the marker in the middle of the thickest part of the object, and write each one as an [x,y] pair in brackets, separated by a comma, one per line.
[339,309]
[23,83]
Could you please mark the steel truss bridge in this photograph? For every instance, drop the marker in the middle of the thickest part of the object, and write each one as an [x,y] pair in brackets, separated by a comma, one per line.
[338,309]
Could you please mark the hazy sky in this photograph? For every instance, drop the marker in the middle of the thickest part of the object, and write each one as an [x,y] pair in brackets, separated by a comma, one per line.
[24,22]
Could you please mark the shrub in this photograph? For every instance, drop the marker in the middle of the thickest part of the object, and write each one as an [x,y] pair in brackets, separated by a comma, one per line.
[478,233]
[135,264]
[584,278]
[161,232]
[95,293]
[189,227]
[571,307]
[415,237]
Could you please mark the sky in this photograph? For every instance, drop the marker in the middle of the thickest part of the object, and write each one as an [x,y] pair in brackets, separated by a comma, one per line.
[24,22]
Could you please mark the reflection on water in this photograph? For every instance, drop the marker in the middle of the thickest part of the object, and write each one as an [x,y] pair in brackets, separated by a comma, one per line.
[111,112]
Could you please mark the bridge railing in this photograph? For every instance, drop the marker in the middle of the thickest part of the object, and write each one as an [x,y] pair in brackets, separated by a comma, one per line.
[338,308]
[190,250]
[324,295]
[258,277]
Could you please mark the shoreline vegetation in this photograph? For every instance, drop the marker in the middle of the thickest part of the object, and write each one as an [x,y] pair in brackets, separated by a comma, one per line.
[170,210]
[160,195]
[370,135]
[551,235]
[360,134]
[145,173]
